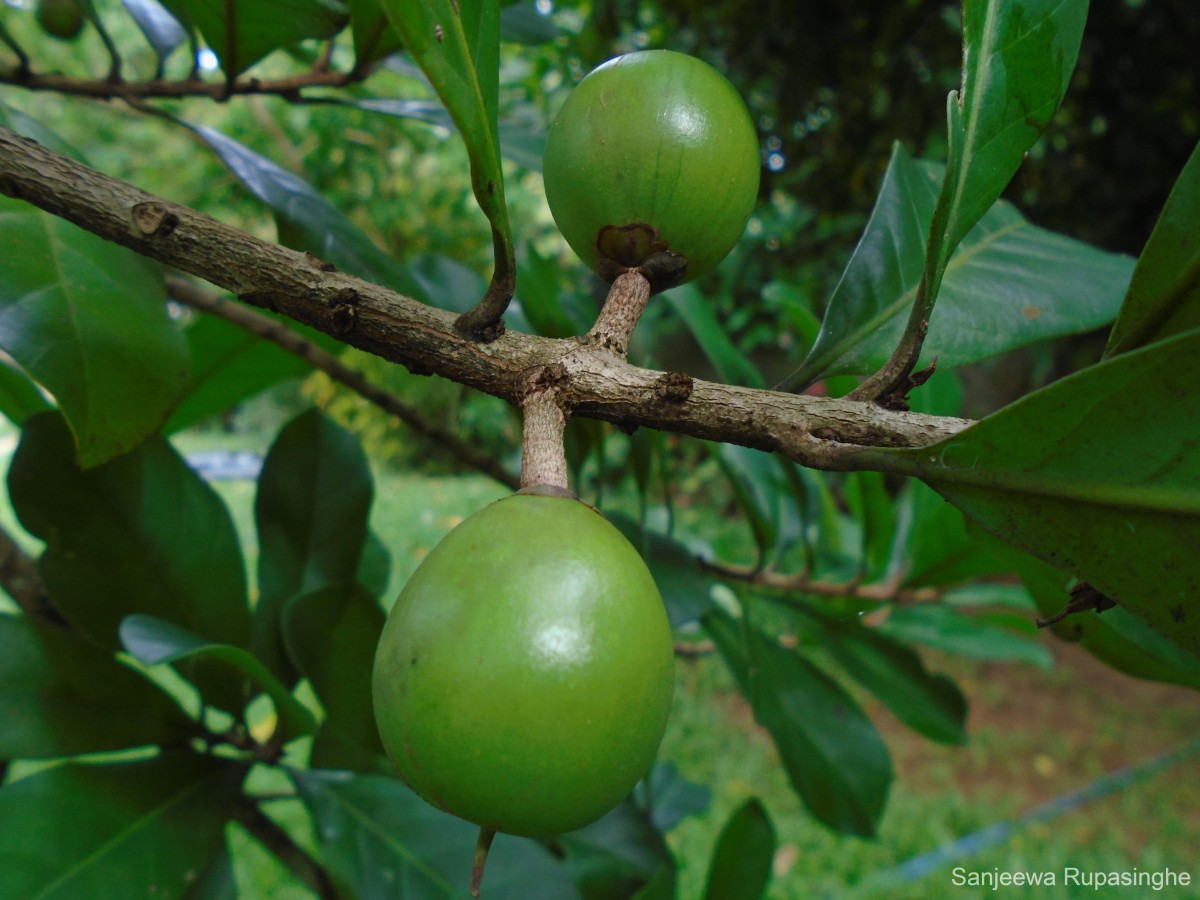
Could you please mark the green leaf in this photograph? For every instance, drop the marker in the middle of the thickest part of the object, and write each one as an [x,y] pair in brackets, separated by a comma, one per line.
[120,830]
[685,587]
[761,486]
[375,568]
[313,501]
[1097,474]
[311,222]
[61,695]
[162,30]
[524,23]
[929,703]
[142,533]
[19,397]
[331,635]
[243,32]
[374,36]
[667,798]
[1115,636]
[1008,284]
[1164,296]
[932,545]
[618,855]
[152,642]
[945,628]
[88,320]
[229,364]
[741,863]
[457,44]
[696,312]
[376,834]
[1018,56]
[834,757]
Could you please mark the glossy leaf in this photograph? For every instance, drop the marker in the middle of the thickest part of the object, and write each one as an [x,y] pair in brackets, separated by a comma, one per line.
[457,44]
[229,365]
[313,223]
[759,486]
[161,29]
[834,757]
[1164,296]
[242,33]
[1018,56]
[685,587]
[314,497]
[19,397]
[1095,474]
[152,642]
[88,320]
[696,312]
[618,855]
[1008,284]
[331,635]
[932,545]
[114,831]
[1115,636]
[375,834]
[741,863]
[666,798]
[61,695]
[140,534]
[374,36]
[925,701]
[945,628]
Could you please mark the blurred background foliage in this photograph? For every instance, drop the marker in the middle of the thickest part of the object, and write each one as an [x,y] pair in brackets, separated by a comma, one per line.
[831,86]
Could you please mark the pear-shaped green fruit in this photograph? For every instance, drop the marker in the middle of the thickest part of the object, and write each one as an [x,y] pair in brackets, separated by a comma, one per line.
[524,676]
[652,161]
[62,19]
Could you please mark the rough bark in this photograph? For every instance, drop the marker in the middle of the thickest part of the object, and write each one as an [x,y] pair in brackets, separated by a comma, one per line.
[820,432]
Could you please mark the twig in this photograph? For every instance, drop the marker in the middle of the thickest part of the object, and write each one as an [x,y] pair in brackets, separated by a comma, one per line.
[821,432]
[890,386]
[295,857]
[802,583]
[290,87]
[269,329]
[20,578]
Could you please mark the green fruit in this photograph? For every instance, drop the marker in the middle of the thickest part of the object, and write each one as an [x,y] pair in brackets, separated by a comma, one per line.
[61,19]
[524,676]
[652,155]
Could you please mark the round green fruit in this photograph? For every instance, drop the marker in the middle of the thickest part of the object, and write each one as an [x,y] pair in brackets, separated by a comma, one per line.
[524,676]
[61,19]
[652,162]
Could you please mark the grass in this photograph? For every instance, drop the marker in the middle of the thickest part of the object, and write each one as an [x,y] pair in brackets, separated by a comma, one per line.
[1035,736]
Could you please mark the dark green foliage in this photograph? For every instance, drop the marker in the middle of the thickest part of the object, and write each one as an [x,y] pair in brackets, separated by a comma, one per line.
[141,635]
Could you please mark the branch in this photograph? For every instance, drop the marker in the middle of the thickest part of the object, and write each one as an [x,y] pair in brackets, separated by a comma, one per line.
[271,330]
[820,432]
[290,87]
[295,857]
[21,580]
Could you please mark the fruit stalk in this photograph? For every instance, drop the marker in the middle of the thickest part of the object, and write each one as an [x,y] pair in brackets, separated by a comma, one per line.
[622,310]
[543,456]
[482,846]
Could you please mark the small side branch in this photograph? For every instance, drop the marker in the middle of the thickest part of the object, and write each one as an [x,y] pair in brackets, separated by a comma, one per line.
[21,580]
[889,387]
[290,87]
[295,857]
